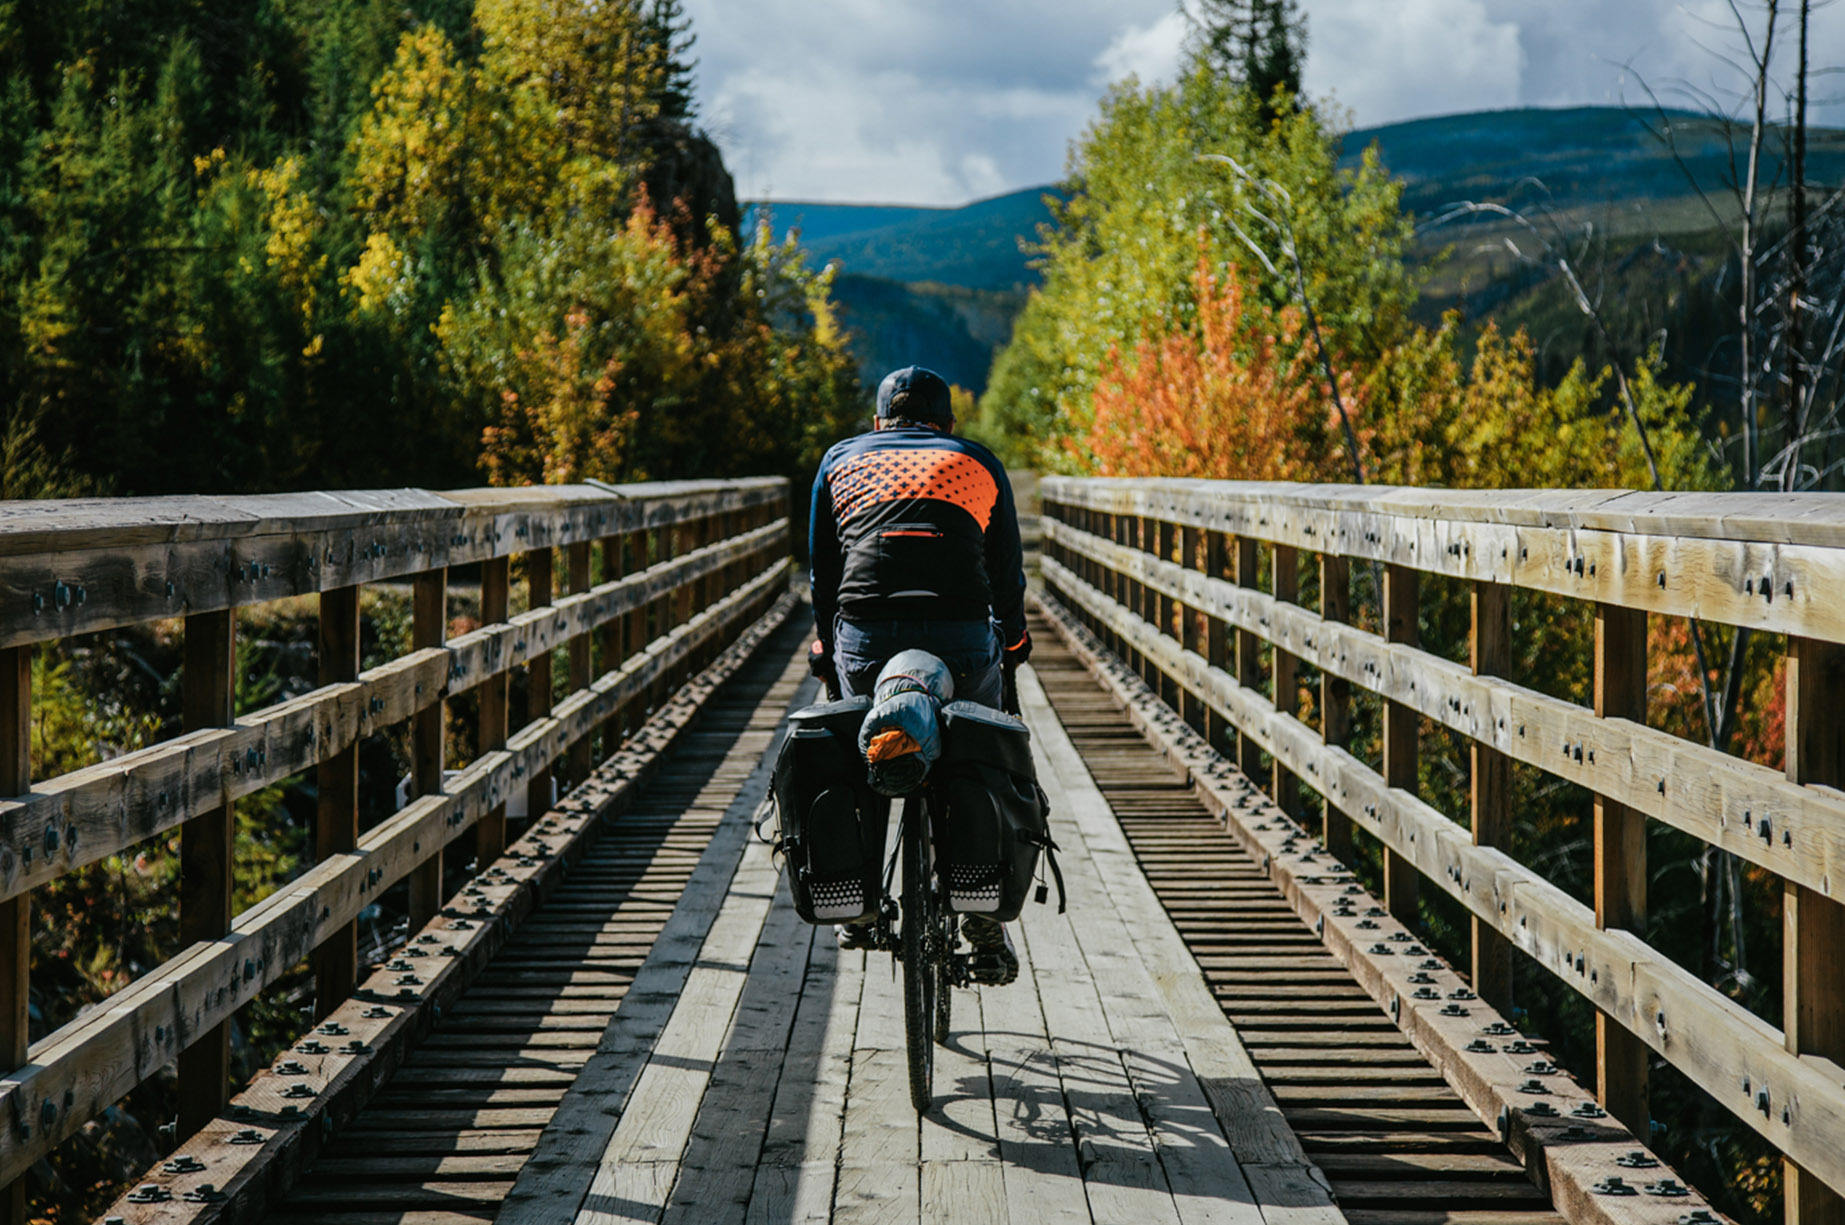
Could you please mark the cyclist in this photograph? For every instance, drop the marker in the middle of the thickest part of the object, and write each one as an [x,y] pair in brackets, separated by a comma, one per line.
[914,542]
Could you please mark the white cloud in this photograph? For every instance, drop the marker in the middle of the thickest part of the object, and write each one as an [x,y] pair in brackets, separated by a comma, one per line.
[1386,62]
[942,101]
[1149,52]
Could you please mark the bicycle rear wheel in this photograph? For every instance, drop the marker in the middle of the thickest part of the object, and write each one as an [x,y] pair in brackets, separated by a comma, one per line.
[920,921]
[944,995]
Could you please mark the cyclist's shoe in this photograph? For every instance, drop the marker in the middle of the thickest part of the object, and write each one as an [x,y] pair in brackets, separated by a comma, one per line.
[856,936]
[992,963]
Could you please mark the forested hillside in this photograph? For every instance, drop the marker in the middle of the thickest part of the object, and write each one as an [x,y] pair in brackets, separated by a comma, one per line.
[292,244]
[1599,172]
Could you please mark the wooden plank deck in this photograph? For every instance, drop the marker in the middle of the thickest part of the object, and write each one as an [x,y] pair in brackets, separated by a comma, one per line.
[673,1045]
[770,1087]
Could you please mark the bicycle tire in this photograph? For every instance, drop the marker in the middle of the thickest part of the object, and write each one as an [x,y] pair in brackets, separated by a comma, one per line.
[919,970]
[944,990]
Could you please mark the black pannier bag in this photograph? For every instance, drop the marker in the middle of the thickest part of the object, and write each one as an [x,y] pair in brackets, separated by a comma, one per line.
[998,816]
[821,792]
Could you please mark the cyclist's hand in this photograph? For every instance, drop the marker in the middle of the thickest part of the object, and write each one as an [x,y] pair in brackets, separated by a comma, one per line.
[820,663]
[1019,651]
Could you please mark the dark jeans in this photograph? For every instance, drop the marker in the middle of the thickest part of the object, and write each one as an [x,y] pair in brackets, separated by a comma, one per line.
[969,648]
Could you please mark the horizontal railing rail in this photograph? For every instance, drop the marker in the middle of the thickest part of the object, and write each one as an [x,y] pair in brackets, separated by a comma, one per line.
[685,567]
[1166,574]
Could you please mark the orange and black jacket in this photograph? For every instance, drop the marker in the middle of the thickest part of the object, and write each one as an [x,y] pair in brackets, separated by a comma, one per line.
[913,524]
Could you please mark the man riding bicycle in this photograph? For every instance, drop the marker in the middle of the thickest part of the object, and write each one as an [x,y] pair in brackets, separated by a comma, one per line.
[914,542]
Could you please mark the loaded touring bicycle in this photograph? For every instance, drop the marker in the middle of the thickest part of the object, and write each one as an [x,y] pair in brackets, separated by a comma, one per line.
[972,825]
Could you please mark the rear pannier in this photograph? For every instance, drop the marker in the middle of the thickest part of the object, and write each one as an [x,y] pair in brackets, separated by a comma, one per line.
[822,798]
[998,816]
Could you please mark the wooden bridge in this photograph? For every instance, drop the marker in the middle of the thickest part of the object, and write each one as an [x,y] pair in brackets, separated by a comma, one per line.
[608,1011]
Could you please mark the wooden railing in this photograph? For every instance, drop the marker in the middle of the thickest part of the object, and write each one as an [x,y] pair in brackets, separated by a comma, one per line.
[1164,573]
[686,565]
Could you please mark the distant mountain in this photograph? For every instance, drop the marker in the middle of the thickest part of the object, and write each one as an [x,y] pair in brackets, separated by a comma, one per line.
[1572,159]
[818,221]
[975,246]
[951,329]
[935,284]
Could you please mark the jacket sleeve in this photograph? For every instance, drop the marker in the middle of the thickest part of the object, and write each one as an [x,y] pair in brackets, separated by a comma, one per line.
[1006,565]
[825,564]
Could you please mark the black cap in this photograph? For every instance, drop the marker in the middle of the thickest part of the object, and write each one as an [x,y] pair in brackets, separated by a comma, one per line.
[916,394]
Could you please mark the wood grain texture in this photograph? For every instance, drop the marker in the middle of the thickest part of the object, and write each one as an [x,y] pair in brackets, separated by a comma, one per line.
[100,1056]
[1402,733]
[428,630]
[1492,1083]
[336,802]
[1335,693]
[1685,784]
[1620,856]
[207,853]
[532,872]
[1714,1041]
[576,577]
[1813,925]
[1741,564]
[496,700]
[1284,684]
[1490,785]
[92,564]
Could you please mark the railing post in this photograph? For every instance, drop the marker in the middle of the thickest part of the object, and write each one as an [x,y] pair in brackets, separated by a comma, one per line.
[1143,600]
[428,628]
[1217,731]
[1401,725]
[336,808]
[1248,658]
[1190,541]
[540,584]
[495,702]
[1335,695]
[577,764]
[1285,676]
[207,851]
[1127,534]
[16,911]
[1167,608]
[1813,925]
[661,610]
[610,640]
[1620,857]
[634,624]
[1491,652]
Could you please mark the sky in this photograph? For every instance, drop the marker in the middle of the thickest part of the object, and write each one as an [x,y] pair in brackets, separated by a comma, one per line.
[944,101]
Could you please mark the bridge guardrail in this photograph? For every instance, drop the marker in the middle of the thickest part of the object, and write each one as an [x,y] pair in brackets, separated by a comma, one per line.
[686,564]
[1165,572]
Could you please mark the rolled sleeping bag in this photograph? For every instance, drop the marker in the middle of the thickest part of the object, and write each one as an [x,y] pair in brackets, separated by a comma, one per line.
[901,737]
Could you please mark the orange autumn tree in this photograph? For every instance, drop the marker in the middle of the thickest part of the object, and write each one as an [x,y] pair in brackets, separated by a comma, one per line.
[1239,396]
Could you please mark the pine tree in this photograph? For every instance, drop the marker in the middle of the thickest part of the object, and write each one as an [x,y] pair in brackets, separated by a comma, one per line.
[669,30]
[1260,44]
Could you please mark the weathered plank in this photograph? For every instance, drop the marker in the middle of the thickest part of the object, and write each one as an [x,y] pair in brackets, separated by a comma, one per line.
[553,1185]
[78,567]
[90,1063]
[1720,799]
[1713,568]
[1557,931]
[454,948]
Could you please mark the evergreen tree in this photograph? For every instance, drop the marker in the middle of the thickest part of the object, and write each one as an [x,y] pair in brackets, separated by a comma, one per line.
[1259,44]
[669,31]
